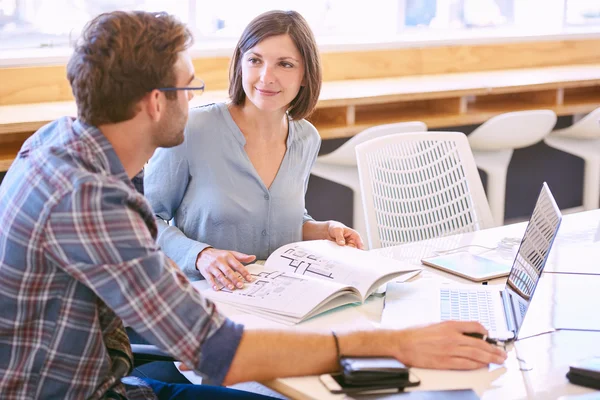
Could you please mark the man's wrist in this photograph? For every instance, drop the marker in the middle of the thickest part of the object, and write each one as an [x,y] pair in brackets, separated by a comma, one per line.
[376,343]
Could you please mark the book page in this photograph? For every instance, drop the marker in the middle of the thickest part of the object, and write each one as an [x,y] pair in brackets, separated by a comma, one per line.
[325,260]
[279,294]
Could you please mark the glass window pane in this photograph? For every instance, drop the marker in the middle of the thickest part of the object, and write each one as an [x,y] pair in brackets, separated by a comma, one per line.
[457,14]
[57,23]
[582,12]
[45,23]
[227,18]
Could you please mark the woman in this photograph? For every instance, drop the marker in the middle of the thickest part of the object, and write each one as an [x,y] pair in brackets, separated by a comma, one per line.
[235,188]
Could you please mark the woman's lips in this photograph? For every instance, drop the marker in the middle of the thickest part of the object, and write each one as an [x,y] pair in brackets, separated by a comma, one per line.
[266,92]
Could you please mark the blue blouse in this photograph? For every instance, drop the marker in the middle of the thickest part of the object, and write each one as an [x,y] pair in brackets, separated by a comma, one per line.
[210,192]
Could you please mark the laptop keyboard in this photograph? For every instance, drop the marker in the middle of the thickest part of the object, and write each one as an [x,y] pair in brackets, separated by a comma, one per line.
[468,305]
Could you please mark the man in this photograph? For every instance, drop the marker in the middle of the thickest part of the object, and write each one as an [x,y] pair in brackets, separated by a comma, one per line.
[78,255]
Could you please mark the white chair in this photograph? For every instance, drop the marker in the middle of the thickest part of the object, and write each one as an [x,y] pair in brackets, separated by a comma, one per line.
[582,139]
[421,185]
[339,166]
[494,142]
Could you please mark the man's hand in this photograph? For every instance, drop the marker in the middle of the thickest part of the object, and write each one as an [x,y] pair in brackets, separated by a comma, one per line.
[224,268]
[444,346]
[265,354]
[344,236]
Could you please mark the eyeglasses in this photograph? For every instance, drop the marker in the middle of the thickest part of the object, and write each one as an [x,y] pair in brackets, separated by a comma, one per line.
[196,86]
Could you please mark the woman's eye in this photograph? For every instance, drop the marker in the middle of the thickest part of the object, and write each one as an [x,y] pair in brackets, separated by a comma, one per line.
[253,60]
[287,65]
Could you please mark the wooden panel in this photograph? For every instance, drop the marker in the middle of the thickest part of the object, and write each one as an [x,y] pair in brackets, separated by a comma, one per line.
[407,111]
[213,71]
[34,85]
[346,108]
[440,120]
[332,116]
[387,90]
[9,147]
[582,95]
[48,83]
[447,59]
[513,101]
[25,85]
[30,117]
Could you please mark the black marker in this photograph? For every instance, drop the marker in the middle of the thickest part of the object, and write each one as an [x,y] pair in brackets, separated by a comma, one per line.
[481,336]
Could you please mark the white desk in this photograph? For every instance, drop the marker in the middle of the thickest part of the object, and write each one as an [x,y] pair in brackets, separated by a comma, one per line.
[567,297]
[575,250]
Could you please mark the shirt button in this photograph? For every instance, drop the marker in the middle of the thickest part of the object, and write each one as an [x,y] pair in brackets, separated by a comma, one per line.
[266,197]
[264,232]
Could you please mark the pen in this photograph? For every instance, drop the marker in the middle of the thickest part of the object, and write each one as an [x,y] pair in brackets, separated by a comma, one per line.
[481,336]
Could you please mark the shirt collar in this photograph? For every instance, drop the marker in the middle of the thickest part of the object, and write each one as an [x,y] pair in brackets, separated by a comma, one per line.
[103,152]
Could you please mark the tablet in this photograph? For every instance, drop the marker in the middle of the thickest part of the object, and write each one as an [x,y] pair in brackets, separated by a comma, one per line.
[469,266]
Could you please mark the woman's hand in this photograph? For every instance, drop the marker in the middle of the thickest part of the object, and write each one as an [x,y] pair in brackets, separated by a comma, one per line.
[343,235]
[332,230]
[223,268]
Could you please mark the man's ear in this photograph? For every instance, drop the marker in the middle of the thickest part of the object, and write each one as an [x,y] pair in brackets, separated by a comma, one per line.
[154,104]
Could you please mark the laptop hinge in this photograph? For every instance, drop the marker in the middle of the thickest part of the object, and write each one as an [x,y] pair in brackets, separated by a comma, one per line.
[509,313]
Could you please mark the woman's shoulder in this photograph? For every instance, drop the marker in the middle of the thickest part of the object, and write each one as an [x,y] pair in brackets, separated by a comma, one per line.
[205,123]
[306,131]
[207,112]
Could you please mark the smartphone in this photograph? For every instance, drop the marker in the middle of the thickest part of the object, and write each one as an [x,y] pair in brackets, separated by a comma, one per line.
[336,384]
[372,369]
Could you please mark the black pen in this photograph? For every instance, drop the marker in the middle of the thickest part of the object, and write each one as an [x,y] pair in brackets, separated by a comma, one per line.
[481,336]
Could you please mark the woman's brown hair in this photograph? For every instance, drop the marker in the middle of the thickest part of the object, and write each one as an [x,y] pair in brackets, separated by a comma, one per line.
[120,57]
[275,23]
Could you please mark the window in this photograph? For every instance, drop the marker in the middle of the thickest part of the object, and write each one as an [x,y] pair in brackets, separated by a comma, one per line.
[458,13]
[582,12]
[57,23]
[31,24]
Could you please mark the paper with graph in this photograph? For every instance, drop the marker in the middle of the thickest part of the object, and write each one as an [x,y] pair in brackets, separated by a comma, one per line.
[303,279]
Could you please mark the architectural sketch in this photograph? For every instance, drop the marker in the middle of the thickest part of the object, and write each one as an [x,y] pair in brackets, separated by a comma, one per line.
[267,284]
[305,263]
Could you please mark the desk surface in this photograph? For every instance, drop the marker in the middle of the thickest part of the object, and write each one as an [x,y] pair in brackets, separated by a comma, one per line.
[558,304]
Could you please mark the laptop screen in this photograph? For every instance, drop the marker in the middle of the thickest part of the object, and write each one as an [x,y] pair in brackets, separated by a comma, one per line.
[531,257]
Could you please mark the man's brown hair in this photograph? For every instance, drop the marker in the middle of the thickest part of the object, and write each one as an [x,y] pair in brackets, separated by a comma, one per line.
[120,57]
[275,23]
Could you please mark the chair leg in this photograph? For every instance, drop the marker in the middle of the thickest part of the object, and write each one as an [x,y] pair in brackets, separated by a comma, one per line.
[495,164]
[591,185]
[496,194]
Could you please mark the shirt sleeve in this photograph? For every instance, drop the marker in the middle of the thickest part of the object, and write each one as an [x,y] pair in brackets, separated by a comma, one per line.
[99,234]
[316,145]
[166,180]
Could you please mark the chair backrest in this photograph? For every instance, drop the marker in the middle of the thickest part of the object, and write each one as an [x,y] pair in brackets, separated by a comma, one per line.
[346,153]
[512,130]
[420,185]
[587,127]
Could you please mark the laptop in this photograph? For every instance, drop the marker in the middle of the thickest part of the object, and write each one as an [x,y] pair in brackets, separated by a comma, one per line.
[501,311]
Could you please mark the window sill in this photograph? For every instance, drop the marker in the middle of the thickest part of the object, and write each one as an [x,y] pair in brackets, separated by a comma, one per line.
[408,39]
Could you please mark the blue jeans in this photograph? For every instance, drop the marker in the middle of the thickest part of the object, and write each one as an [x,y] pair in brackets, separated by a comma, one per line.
[168,391]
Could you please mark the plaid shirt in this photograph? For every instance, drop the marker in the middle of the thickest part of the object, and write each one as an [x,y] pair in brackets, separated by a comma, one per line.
[78,258]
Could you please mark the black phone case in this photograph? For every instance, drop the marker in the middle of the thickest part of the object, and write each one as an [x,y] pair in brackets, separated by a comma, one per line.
[357,387]
[373,370]
[582,380]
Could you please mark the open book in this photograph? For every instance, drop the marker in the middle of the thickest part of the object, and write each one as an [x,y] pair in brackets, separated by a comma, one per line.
[303,279]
